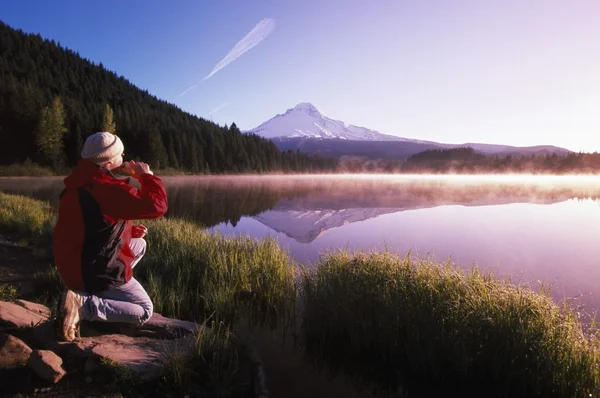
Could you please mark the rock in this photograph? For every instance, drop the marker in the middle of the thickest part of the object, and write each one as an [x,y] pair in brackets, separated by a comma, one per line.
[14,353]
[47,365]
[34,307]
[174,326]
[13,315]
[158,327]
[138,350]
[44,333]
[142,356]
[5,242]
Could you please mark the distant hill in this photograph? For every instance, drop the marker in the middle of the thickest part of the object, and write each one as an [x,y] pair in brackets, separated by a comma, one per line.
[304,128]
[386,150]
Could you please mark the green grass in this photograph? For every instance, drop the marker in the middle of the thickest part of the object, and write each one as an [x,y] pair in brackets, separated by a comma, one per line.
[27,168]
[47,289]
[190,273]
[384,318]
[213,369]
[209,363]
[29,218]
[8,292]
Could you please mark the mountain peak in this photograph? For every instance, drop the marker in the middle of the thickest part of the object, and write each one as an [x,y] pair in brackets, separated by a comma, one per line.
[304,120]
[306,106]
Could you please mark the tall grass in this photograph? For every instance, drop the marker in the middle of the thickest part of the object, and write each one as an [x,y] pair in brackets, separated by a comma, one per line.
[27,168]
[385,318]
[29,218]
[388,320]
[190,273]
[8,292]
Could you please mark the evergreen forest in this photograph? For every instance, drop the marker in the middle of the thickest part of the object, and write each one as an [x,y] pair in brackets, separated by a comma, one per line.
[51,99]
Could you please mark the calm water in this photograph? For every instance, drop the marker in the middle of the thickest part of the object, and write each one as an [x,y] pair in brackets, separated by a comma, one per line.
[533,229]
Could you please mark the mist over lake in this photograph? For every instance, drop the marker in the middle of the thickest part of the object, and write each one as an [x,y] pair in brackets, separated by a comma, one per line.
[532,229]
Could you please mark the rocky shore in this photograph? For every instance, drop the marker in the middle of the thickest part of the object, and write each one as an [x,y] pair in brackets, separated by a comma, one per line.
[103,356]
[107,360]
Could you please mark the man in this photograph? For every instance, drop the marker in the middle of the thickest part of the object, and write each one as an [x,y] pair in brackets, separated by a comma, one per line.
[95,244]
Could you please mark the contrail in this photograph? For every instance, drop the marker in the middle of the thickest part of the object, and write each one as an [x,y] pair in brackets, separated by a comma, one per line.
[217,109]
[189,89]
[253,38]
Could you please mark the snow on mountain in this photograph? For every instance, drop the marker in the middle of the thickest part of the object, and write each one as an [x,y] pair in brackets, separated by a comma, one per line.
[304,128]
[305,121]
[306,226]
[305,221]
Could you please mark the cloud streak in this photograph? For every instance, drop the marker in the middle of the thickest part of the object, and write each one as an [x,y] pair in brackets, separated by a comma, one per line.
[189,89]
[252,39]
[218,109]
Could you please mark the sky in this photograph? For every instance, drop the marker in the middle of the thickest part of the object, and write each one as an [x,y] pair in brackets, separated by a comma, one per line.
[514,72]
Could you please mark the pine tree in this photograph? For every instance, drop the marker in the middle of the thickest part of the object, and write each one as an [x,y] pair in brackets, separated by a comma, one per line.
[108,122]
[156,153]
[34,71]
[173,162]
[49,135]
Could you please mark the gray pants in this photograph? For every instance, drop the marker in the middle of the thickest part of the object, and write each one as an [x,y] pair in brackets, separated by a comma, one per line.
[128,303]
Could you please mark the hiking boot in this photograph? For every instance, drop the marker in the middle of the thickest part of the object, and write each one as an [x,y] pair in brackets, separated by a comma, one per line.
[70,313]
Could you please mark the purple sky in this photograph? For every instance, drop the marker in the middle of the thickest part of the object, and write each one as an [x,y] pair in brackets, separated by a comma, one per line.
[507,72]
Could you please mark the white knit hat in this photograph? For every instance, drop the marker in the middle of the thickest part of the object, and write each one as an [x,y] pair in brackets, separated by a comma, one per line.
[102,147]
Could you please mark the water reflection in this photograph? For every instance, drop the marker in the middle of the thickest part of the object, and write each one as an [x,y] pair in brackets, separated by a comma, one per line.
[303,207]
[538,229]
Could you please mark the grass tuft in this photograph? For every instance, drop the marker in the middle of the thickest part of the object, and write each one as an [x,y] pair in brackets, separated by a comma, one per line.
[30,218]
[27,168]
[385,319]
[190,273]
[8,292]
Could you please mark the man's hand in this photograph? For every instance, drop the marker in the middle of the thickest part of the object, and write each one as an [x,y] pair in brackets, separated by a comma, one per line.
[138,231]
[136,169]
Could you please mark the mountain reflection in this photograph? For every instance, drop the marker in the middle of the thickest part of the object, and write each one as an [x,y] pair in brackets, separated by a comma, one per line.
[304,207]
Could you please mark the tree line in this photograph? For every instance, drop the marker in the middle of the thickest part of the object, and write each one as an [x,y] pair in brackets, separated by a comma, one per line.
[466,160]
[51,99]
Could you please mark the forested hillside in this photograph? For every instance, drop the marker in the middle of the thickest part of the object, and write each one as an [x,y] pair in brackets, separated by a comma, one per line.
[51,99]
[467,160]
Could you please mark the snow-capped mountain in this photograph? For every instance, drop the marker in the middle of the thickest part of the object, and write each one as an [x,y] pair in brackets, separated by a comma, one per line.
[305,226]
[306,219]
[304,128]
[305,121]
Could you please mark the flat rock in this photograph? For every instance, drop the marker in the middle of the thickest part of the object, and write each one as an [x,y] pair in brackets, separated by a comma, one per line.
[139,350]
[47,365]
[13,315]
[157,326]
[34,307]
[141,356]
[14,352]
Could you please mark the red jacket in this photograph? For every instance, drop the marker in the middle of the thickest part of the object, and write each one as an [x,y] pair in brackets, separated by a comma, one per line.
[93,231]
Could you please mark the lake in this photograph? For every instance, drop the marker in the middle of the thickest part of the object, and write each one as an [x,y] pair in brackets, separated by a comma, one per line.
[531,228]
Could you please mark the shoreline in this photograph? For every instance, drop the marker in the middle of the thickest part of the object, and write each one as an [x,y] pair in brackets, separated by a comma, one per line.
[406,316]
